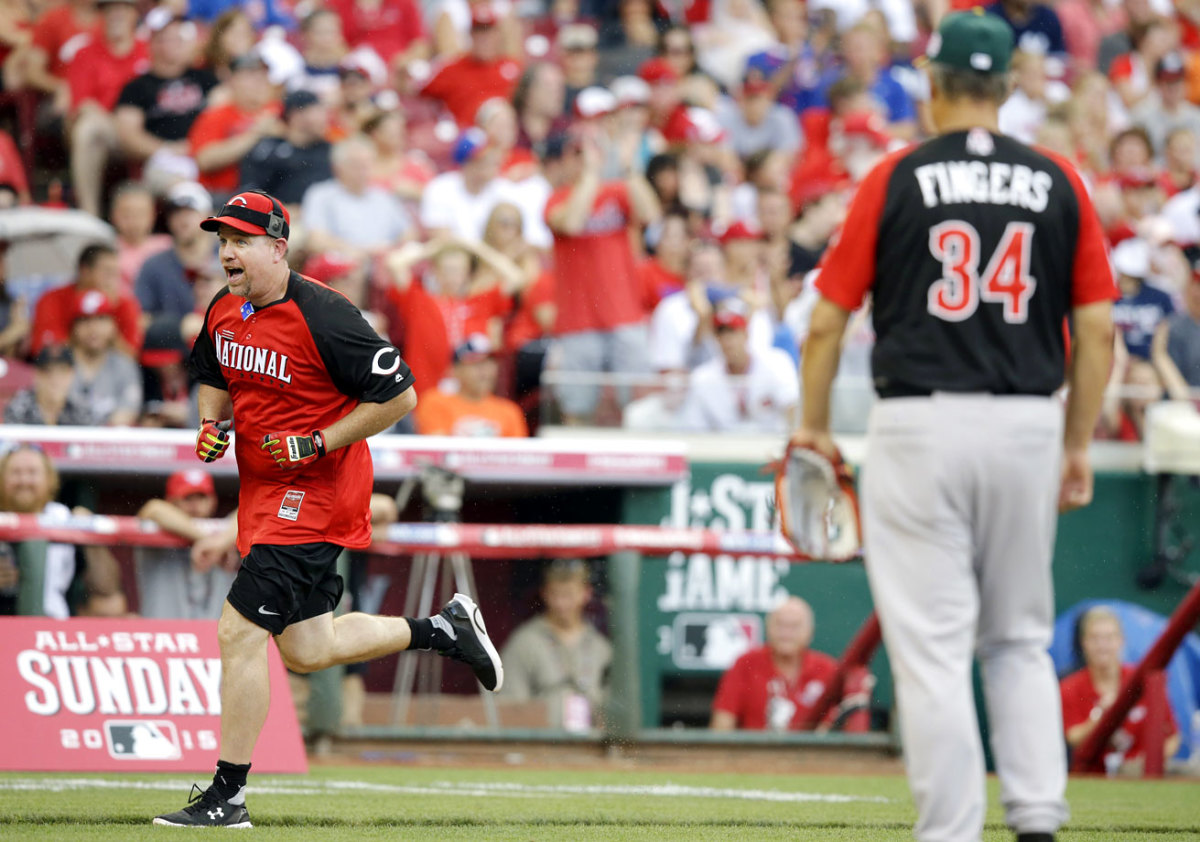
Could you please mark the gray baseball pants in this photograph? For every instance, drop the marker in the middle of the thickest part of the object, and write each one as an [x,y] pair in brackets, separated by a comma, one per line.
[959,500]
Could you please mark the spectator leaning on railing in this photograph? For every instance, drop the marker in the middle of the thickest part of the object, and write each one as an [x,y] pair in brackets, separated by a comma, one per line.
[174,583]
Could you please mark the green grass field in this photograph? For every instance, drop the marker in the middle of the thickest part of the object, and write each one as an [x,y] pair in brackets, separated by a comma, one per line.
[411,803]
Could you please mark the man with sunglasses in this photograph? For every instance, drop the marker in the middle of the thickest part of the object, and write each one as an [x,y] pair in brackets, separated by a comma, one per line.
[295,367]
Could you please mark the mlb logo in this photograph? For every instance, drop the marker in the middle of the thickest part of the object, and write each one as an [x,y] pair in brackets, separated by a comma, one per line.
[289,509]
[712,641]
[144,739]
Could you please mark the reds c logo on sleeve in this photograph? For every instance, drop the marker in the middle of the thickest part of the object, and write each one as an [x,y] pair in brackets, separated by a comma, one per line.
[377,363]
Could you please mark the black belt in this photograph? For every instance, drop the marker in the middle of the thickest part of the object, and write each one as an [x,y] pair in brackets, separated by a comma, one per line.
[904,390]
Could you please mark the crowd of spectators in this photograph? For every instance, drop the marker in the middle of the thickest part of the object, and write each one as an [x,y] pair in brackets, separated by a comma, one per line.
[627,200]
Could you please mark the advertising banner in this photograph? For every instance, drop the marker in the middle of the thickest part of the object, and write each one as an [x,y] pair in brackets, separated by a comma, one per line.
[126,695]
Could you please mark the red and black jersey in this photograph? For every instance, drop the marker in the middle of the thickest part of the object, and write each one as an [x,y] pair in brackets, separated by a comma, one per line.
[974,248]
[298,365]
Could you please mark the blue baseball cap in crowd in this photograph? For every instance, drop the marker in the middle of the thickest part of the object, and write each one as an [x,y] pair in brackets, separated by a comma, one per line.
[766,64]
[469,144]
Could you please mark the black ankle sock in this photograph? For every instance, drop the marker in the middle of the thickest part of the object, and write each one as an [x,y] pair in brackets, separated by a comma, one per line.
[230,778]
[430,633]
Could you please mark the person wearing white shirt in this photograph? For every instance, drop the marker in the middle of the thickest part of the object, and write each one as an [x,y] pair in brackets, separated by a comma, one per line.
[459,202]
[741,391]
[680,338]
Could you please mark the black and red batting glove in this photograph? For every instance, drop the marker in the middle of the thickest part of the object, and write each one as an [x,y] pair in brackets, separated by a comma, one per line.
[212,439]
[294,450]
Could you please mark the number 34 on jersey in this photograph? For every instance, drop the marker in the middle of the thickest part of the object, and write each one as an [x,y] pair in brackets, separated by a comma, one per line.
[1005,279]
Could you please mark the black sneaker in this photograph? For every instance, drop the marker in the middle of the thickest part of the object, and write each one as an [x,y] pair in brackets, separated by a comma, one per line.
[208,809]
[472,645]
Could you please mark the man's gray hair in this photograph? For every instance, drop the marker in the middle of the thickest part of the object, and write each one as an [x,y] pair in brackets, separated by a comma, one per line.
[956,83]
[342,149]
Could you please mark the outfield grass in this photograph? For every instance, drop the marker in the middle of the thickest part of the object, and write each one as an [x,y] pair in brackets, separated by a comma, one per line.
[408,803]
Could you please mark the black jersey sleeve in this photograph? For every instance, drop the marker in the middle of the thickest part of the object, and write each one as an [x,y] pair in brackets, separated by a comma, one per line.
[203,362]
[360,363]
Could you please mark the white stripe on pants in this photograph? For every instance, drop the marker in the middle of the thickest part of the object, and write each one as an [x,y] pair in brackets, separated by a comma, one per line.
[959,514]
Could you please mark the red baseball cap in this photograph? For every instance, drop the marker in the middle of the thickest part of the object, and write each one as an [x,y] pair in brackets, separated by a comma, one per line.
[658,70]
[329,266]
[483,15]
[740,230]
[252,213]
[866,124]
[184,483]
[730,313]
[92,303]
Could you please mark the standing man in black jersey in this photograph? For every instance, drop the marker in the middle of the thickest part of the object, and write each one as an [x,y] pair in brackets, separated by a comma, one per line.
[975,249]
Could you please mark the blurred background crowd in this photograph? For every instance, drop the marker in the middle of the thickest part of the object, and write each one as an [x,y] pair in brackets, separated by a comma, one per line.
[599,212]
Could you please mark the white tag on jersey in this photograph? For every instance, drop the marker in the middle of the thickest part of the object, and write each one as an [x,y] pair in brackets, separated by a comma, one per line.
[289,509]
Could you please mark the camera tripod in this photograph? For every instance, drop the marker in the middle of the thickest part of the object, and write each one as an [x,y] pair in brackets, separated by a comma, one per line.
[443,492]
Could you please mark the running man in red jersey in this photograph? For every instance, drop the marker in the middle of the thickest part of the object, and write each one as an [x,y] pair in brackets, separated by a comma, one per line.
[305,380]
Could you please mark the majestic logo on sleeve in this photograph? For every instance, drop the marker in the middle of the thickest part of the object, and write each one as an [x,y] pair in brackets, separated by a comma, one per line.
[251,359]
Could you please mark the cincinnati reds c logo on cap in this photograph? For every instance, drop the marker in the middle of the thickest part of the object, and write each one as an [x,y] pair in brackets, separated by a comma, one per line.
[236,199]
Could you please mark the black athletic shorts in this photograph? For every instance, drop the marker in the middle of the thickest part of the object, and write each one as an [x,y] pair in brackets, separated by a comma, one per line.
[280,585]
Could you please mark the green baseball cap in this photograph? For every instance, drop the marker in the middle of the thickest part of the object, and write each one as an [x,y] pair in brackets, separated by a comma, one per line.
[972,40]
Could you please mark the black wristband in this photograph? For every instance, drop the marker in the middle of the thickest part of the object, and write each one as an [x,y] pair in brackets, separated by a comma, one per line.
[319,441]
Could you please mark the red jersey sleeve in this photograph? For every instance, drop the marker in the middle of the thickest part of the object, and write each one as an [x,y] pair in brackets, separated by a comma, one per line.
[848,269]
[1092,276]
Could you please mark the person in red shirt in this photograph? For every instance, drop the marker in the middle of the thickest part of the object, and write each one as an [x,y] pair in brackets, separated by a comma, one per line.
[601,319]
[1086,694]
[663,272]
[475,409]
[776,686]
[304,379]
[223,135]
[467,301]
[394,29]
[98,268]
[57,35]
[96,76]
[484,72]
